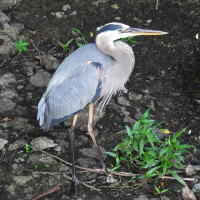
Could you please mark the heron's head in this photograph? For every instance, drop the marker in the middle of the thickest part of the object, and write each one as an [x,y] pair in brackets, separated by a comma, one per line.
[114,31]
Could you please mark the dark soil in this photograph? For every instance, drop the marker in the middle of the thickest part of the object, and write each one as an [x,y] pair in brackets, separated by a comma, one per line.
[167,66]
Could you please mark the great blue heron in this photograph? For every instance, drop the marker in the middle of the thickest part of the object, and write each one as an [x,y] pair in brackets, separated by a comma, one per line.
[96,70]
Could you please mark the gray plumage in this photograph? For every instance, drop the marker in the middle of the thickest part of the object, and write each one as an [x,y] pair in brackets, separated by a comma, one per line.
[75,82]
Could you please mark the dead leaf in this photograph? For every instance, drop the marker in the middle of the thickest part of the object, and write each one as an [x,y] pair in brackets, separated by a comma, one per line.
[5,119]
[188,194]
[115,6]
[166,131]
[33,32]
[118,18]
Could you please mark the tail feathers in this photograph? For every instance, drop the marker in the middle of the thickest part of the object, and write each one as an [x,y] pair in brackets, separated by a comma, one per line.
[41,111]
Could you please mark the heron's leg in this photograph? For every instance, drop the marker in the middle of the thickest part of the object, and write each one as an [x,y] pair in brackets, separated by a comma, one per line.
[72,139]
[91,132]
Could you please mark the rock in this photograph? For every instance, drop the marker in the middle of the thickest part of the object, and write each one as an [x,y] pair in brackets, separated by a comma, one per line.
[41,158]
[196,188]
[9,93]
[42,143]
[187,194]
[7,4]
[7,79]
[91,152]
[122,101]
[4,18]
[151,105]
[190,170]
[50,62]
[86,162]
[146,92]
[132,96]
[6,105]
[7,46]
[128,119]
[22,180]
[66,7]
[13,30]
[2,143]
[40,79]
[17,144]
[60,15]
[19,123]
[74,13]
[110,179]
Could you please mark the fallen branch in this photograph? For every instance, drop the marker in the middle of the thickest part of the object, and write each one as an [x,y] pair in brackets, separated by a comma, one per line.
[101,171]
[38,52]
[48,192]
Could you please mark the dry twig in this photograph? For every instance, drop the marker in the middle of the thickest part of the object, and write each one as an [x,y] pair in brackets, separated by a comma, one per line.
[48,192]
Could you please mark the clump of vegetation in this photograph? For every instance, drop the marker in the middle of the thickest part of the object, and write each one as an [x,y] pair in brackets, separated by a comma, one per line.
[66,46]
[142,147]
[28,149]
[21,46]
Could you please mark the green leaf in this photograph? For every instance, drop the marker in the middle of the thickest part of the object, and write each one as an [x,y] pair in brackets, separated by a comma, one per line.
[112,154]
[177,177]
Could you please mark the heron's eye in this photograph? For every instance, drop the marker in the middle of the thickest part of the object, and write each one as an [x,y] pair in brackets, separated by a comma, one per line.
[119,30]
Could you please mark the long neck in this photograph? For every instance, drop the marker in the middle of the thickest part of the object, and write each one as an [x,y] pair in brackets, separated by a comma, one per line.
[116,75]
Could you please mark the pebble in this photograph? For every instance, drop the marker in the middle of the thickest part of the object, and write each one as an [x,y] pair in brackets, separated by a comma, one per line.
[132,96]
[7,79]
[196,188]
[91,152]
[3,143]
[9,93]
[74,13]
[41,158]
[40,79]
[123,101]
[60,15]
[17,144]
[4,18]
[50,62]
[42,143]
[128,119]
[66,7]
[110,179]
[6,105]
[22,180]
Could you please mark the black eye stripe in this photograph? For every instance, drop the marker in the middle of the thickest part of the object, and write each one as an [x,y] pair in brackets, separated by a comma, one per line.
[110,27]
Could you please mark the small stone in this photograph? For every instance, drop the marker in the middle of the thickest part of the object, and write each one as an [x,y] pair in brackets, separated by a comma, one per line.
[60,15]
[17,144]
[41,158]
[2,143]
[190,170]
[110,179]
[196,188]
[6,105]
[42,143]
[91,152]
[50,62]
[86,162]
[9,93]
[187,194]
[40,79]
[132,96]
[123,101]
[66,7]
[4,18]
[74,13]
[145,92]
[128,119]
[22,180]
[7,79]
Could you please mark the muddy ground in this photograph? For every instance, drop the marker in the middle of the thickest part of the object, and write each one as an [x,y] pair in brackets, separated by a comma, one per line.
[166,77]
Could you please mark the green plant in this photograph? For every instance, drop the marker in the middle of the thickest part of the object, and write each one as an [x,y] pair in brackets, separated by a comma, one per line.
[66,46]
[79,32]
[142,147]
[159,192]
[28,149]
[21,46]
